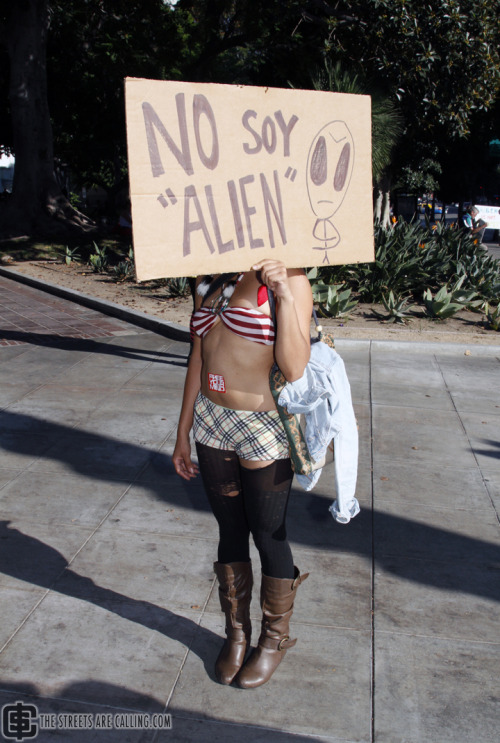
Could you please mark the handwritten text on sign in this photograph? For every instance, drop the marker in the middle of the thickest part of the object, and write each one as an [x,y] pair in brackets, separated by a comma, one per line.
[219,172]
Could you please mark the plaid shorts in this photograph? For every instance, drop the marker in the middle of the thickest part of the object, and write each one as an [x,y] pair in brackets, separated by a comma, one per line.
[253,435]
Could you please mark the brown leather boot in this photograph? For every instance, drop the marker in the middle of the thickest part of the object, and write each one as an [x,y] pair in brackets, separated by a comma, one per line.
[235,593]
[276,598]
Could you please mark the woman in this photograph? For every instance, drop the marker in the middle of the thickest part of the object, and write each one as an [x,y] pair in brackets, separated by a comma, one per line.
[243,452]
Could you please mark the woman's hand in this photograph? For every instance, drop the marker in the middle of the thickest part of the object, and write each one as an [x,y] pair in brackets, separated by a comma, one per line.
[181,458]
[275,276]
[293,314]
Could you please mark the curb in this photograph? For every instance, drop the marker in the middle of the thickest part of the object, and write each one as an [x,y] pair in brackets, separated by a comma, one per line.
[416,347]
[162,327]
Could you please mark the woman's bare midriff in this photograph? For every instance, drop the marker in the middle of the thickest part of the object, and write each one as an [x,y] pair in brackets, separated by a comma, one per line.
[232,366]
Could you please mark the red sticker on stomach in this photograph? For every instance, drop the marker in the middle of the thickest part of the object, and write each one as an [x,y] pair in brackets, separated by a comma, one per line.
[216,382]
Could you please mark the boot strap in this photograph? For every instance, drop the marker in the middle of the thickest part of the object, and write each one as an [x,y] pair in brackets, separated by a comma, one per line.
[277,643]
[298,580]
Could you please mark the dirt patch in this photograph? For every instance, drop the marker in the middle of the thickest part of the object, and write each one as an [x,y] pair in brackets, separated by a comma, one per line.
[153,298]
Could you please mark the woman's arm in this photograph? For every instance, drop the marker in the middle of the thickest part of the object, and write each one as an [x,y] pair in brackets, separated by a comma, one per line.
[182,451]
[293,315]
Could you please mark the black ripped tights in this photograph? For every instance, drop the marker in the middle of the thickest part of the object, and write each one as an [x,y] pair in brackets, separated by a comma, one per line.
[249,501]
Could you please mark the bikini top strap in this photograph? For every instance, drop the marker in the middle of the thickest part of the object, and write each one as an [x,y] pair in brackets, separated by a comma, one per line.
[272,308]
[272,305]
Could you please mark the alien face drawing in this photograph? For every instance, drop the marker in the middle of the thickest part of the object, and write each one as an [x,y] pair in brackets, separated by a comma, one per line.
[329,169]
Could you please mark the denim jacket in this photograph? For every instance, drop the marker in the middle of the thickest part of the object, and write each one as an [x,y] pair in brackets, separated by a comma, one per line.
[323,395]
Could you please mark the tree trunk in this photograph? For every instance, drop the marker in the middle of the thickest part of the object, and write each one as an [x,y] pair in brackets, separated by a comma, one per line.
[377,208]
[37,205]
[382,207]
[386,209]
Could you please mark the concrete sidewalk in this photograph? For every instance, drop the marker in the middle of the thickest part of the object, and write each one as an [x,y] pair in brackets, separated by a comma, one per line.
[108,602]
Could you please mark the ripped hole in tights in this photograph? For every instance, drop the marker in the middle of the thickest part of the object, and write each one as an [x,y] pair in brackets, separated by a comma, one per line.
[230,490]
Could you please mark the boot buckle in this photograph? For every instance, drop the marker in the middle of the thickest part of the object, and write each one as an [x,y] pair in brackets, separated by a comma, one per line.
[282,641]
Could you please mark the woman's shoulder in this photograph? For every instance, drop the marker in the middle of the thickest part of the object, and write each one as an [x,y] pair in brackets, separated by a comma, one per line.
[295,272]
[298,280]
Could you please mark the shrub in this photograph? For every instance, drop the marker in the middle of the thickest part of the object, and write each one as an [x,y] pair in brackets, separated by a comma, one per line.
[397,309]
[99,259]
[122,271]
[331,301]
[411,258]
[178,287]
[69,255]
[441,306]
[493,317]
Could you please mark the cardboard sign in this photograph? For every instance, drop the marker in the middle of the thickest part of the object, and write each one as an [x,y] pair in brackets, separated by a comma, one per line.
[222,176]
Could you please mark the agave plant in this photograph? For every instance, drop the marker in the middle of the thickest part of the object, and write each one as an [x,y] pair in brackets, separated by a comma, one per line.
[440,306]
[69,255]
[331,301]
[99,259]
[397,264]
[467,298]
[409,258]
[178,287]
[397,309]
[493,317]
[123,271]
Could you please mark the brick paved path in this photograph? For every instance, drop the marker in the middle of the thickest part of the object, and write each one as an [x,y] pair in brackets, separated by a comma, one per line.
[26,312]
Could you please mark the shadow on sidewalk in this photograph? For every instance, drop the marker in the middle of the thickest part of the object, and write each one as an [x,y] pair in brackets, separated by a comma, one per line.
[28,559]
[490,452]
[97,457]
[397,539]
[88,345]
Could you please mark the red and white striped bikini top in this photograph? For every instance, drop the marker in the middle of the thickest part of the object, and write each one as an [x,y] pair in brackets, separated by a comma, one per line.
[244,321]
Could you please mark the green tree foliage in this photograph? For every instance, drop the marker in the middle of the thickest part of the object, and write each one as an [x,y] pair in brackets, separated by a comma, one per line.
[71,58]
[259,42]
[424,179]
[386,125]
[438,62]
[440,59]
[93,46]
[37,203]
[386,118]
